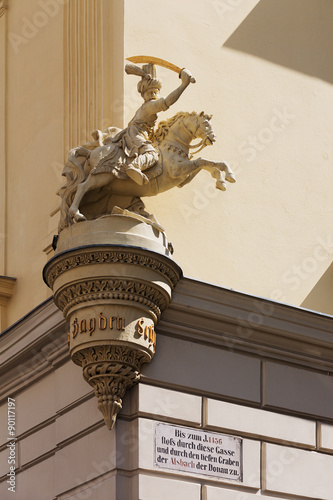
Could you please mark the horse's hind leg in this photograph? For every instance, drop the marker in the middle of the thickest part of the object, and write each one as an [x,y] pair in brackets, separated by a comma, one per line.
[94,181]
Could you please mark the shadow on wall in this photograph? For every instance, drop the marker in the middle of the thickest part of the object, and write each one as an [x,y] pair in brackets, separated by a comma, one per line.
[293,33]
[320,298]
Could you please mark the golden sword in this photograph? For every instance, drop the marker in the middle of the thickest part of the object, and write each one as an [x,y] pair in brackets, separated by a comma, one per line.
[158,62]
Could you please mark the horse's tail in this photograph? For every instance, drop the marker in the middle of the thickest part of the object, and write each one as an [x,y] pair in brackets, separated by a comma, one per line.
[75,174]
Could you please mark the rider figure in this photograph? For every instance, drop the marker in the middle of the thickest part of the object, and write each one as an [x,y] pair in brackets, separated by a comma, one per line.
[134,139]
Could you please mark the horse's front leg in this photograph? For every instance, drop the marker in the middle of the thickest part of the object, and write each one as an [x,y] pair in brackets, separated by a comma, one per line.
[215,169]
[211,165]
[188,169]
[218,175]
[229,175]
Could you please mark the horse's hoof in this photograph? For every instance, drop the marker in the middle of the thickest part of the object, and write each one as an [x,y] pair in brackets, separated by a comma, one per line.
[230,178]
[221,185]
[76,216]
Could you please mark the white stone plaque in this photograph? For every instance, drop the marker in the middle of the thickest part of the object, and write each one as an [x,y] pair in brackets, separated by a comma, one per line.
[197,451]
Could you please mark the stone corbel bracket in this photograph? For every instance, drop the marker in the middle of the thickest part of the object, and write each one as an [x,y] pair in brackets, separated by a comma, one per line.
[112,296]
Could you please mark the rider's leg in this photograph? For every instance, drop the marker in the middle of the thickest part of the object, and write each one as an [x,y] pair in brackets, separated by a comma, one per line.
[92,182]
[140,163]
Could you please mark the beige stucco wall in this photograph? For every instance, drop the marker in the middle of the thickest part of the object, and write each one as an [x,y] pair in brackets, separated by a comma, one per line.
[262,69]
[271,233]
[34,140]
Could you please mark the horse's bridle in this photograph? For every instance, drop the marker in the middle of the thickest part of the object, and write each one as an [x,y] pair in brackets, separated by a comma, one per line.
[201,144]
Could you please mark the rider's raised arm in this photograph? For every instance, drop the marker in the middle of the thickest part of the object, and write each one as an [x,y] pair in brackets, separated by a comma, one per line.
[186,78]
[156,106]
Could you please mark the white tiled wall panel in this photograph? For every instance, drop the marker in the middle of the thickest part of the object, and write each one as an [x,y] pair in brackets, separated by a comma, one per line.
[262,423]
[213,493]
[326,437]
[153,488]
[172,404]
[298,472]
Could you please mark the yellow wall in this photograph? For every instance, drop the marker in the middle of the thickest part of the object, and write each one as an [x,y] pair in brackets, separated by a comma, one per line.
[34,139]
[263,71]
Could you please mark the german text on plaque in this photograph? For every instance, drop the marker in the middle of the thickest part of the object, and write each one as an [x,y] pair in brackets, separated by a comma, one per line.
[198,451]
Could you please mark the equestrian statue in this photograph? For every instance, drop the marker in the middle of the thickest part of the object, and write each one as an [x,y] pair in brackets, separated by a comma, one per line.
[112,173]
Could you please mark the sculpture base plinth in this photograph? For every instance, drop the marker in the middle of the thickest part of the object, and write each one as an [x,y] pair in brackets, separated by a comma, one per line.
[112,278]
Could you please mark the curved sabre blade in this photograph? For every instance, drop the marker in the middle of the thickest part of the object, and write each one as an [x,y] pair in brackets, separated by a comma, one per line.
[154,60]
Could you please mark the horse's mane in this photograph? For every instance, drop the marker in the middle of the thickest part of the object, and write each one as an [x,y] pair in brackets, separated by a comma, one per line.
[164,125]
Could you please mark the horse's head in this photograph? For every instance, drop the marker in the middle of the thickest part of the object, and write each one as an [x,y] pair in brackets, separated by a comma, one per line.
[188,126]
[204,129]
[200,127]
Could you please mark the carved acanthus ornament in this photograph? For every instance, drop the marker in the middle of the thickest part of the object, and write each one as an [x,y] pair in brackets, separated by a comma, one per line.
[110,255]
[111,371]
[111,289]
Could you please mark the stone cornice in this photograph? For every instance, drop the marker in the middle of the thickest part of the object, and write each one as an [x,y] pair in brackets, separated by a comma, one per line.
[3,7]
[32,347]
[239,322]
[200,313]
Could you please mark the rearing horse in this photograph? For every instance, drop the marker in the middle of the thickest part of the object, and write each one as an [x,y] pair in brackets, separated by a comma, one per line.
[102,167]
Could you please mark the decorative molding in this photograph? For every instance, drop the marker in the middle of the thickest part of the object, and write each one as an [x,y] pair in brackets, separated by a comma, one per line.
[244,323]
[111,371]
[163,265]
[112,288]
[31,348]
[7,286]
[83,70]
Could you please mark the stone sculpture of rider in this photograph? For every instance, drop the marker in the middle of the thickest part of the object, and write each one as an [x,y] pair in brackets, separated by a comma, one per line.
[134,139]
